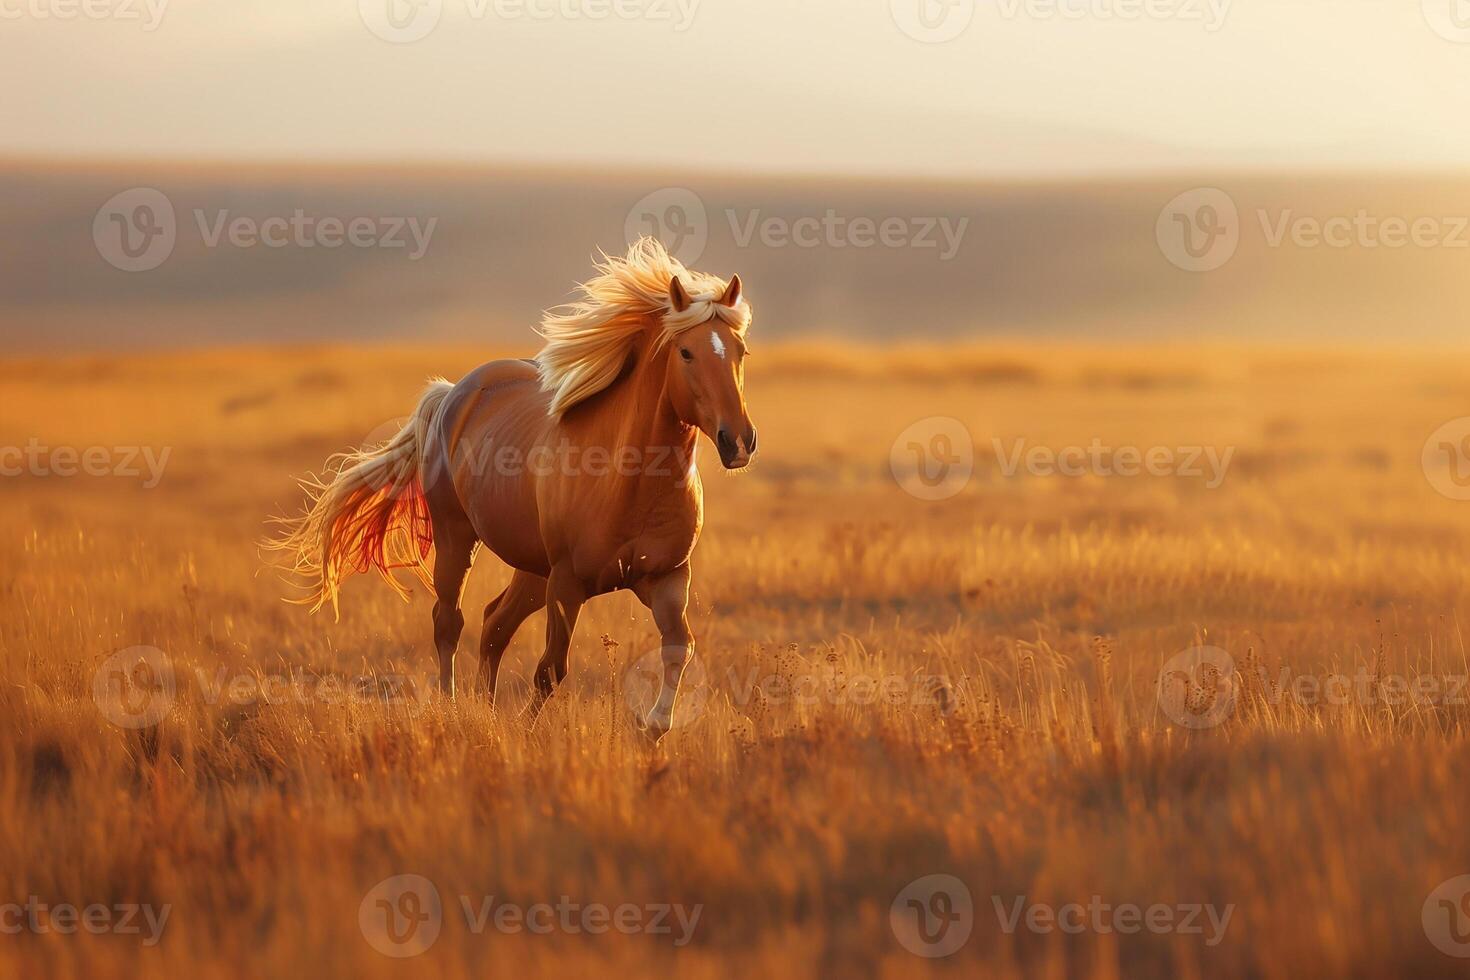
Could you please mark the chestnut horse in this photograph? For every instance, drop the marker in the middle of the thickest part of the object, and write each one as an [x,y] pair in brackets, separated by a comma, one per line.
[576,469]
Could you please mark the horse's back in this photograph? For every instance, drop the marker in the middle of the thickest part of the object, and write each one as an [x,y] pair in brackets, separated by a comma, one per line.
[489,396]
[490,422]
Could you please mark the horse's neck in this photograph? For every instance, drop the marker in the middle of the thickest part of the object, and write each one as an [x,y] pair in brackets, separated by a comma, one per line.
[635,411]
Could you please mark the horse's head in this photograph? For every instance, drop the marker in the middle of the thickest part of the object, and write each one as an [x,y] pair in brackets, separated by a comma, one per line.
[706,370]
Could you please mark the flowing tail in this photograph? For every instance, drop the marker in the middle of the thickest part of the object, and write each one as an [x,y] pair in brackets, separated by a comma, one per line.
[367,510]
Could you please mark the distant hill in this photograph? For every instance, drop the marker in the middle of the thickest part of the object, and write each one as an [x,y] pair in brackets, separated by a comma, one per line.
[1052,259]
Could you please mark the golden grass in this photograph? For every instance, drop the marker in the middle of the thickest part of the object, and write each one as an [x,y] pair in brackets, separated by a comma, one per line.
[1021,754]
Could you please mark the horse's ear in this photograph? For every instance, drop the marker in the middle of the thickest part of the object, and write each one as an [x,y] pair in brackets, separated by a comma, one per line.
[677,297]
[732,292]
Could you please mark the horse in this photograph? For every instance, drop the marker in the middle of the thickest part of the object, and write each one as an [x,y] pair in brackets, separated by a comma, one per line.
[576,468]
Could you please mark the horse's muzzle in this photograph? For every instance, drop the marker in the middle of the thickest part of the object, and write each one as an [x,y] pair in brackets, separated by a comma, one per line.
[734,452]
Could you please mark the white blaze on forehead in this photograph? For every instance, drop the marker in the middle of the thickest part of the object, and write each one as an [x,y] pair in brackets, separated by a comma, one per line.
[716,342]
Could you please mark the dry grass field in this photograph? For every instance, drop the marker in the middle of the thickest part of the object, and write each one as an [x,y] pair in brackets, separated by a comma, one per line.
[1014,633]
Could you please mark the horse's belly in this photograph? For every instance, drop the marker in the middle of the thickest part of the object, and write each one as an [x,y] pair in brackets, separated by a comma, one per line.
[493,463]
[509,528]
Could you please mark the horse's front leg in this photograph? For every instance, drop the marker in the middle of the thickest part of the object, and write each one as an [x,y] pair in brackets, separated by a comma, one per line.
[668,598]
[564,598]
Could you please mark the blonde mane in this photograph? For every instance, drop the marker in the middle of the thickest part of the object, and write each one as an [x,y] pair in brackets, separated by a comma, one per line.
[588,341]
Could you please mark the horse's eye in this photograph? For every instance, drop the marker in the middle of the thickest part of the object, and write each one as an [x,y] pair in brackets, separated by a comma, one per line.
[684,353]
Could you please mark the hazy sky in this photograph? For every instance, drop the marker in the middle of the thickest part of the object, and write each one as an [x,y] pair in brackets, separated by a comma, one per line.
[1037,87]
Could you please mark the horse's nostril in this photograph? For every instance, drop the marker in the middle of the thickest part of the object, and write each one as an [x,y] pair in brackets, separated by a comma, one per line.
[750,442]
[725,443]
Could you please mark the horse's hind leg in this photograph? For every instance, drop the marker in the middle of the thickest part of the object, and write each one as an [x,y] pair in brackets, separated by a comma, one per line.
[454,550]
[525,594]
[564,598]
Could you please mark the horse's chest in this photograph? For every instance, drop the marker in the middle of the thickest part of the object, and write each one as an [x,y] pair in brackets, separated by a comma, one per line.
[647,541]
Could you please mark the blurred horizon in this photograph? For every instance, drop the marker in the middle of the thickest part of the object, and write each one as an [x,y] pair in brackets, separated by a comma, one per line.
[475,254]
